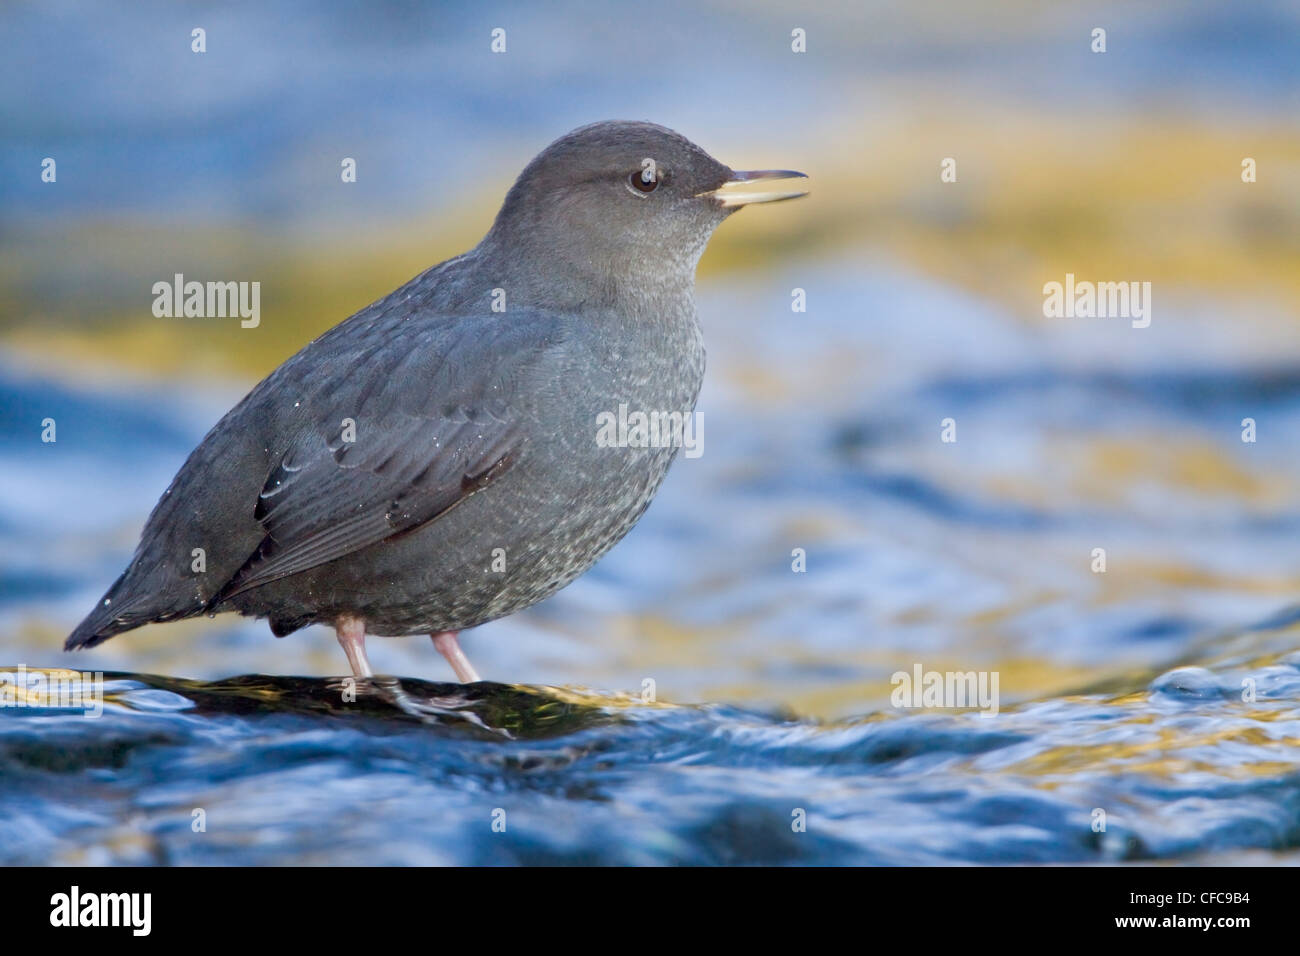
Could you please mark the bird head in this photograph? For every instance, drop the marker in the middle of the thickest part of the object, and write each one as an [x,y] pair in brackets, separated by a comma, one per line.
[626,198]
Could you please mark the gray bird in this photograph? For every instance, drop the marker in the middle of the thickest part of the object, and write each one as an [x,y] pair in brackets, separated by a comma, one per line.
[432,463]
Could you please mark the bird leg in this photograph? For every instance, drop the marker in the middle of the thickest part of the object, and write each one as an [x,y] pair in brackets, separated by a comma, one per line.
[352,635]
[449,647]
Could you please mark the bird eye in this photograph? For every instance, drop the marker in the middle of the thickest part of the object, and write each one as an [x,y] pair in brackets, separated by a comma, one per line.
[641,184]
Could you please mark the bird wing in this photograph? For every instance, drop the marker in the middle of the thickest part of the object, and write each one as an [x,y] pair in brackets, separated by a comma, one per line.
[393,434]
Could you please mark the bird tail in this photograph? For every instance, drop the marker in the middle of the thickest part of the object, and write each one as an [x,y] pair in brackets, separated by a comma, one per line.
[114,614]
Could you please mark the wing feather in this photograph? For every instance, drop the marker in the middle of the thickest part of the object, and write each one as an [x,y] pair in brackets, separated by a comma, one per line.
[425,419]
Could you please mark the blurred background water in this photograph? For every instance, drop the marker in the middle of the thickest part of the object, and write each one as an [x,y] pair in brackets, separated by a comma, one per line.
[1119,690]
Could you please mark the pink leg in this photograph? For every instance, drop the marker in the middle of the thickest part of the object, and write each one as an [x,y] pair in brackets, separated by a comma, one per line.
[449,647]
[352,635]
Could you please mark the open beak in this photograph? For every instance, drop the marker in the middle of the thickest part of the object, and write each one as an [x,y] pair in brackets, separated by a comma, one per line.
[737,191]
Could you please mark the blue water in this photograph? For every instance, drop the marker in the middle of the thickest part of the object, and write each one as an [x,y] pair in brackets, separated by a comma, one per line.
[252,130]
[279,771]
